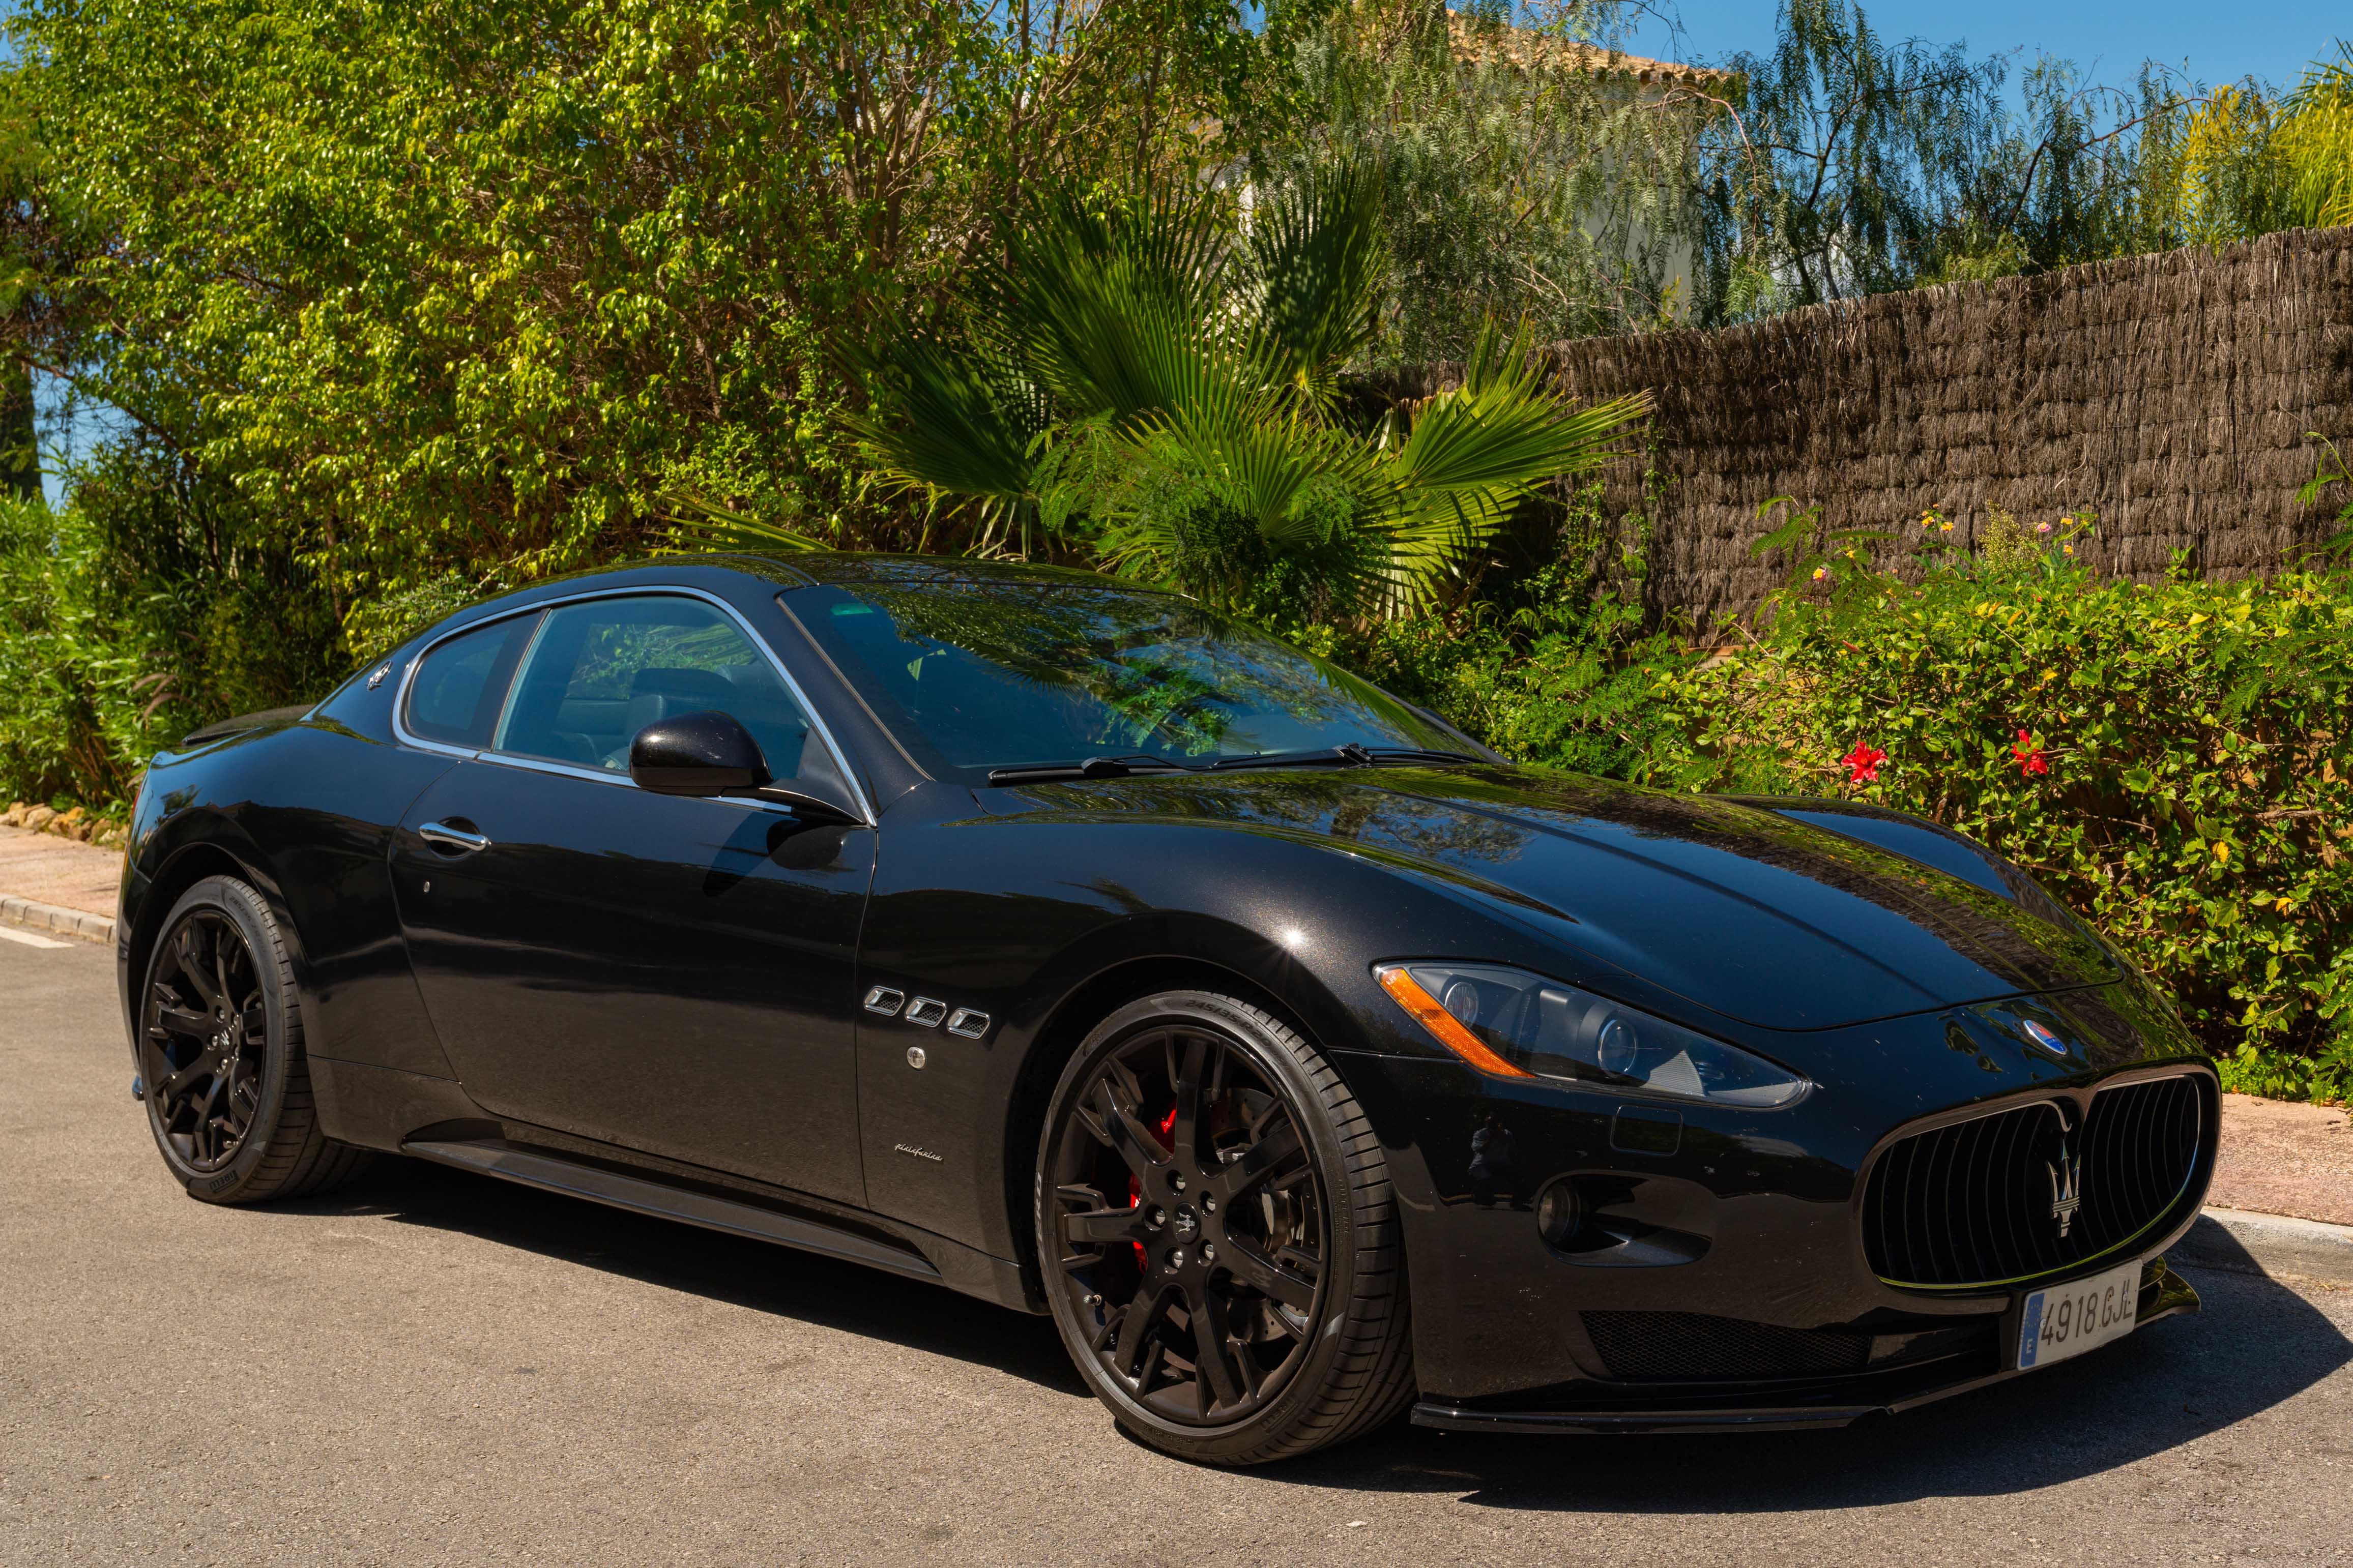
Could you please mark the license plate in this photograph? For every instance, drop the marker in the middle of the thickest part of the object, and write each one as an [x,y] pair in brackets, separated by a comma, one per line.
[2068,1319]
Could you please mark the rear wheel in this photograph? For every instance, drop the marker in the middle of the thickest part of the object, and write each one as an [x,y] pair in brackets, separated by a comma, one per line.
[221,1055]
[1219,1237]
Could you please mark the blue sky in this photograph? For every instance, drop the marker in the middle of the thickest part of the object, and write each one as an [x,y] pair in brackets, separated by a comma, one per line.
[2220,40]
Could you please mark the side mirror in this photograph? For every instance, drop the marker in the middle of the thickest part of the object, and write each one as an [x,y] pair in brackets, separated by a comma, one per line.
[696,754]
[710,753]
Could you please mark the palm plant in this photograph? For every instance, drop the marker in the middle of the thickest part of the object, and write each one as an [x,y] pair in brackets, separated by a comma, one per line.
[2316,132]
[2252,164]
[1155,387]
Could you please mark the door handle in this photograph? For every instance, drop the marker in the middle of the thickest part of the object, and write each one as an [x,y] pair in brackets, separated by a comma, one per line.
[444,836]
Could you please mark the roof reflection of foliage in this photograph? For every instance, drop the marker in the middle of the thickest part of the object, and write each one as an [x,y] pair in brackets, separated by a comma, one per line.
[1173,672]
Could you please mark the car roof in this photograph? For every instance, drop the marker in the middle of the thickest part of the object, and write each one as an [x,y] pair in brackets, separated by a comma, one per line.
[791,570]
[851,568]
[854,568]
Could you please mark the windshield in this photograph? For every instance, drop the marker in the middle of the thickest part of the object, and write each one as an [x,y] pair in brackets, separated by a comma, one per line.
[975,676]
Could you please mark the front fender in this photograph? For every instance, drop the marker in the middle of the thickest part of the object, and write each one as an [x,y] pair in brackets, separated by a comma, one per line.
[1047,925]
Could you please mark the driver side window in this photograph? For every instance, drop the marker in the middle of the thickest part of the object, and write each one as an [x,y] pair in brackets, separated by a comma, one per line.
[603,669]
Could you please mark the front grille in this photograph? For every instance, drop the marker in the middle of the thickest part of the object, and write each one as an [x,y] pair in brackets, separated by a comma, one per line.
[1662,1347]
[1974,1203]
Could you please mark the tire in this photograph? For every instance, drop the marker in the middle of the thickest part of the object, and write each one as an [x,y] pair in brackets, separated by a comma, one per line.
[1257,1331]
[230,1109]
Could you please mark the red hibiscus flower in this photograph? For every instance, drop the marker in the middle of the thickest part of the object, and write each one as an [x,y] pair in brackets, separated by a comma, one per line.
[2029,755]
[1862,764]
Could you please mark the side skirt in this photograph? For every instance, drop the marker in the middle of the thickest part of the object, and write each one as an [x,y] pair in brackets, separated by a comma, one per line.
[536,1169]
[432,1118]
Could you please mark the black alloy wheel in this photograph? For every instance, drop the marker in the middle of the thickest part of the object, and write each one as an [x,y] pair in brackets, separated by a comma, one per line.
[1204,1214]
[220,1056]
[206,1034]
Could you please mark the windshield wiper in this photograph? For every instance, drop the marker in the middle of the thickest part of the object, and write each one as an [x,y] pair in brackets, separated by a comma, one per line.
[1093,768]
[1348,756]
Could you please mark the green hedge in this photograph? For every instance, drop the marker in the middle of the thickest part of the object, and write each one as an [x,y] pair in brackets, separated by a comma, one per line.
[2181,779]
[140,611]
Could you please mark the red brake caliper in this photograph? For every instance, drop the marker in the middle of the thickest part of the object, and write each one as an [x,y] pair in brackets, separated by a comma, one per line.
[1135,1188]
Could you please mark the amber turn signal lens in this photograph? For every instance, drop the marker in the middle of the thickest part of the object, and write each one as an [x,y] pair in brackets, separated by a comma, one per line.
[1442,1024]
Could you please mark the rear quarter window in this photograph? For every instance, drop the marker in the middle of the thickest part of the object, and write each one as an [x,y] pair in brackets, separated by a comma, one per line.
[459,689]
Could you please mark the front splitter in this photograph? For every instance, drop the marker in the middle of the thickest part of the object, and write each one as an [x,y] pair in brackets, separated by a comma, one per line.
[2166,1295]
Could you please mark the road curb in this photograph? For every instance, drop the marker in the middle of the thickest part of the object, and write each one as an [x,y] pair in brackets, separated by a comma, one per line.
[2269,1243]
[35,916]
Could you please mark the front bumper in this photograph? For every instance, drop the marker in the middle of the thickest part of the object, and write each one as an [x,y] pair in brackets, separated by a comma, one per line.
[1741,1293]
[1777,1405]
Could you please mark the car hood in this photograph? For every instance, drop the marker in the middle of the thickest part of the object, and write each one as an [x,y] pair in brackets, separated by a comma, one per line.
[1783,914]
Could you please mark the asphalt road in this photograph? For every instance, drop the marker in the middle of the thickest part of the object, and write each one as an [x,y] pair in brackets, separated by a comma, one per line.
[434,1367]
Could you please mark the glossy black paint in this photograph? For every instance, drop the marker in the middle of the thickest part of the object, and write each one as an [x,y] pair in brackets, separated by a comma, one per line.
[685,994]
[669,986]
[696,754]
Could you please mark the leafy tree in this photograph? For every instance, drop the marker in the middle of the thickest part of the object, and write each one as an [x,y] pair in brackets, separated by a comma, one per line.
[1519,172]
[1837,154]
[1843,165]
[2316,138]
[2252,162]
[21,301]
[441,292]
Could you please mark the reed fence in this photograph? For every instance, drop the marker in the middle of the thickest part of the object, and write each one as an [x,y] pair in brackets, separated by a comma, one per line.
[2170,394]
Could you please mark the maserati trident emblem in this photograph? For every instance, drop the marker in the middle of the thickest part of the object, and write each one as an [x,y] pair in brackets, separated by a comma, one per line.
[2066,1187]
[2043,1039]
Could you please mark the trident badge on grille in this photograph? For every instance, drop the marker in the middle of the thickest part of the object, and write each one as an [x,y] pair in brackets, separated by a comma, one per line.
[2066,1187]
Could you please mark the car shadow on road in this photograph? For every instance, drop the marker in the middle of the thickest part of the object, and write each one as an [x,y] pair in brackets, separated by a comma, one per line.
[2256,1345]
[757,1275]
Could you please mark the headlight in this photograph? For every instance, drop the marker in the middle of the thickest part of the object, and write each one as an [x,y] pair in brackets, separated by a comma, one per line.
[1516,1025]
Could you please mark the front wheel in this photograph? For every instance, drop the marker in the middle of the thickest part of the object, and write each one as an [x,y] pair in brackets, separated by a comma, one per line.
[1218,1238]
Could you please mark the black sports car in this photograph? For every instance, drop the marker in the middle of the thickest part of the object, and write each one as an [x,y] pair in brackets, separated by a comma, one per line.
[1054,940]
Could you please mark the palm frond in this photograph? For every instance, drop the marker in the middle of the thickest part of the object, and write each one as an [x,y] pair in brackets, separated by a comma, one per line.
[1312,288]
[966,422]
[1474,453]
[700,525]
[1108,310]
[1138,383]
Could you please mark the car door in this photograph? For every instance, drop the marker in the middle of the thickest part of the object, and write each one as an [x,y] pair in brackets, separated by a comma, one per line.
[671,974]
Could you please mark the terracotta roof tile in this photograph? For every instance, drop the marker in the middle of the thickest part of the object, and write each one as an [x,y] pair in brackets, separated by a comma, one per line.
[1521,46]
